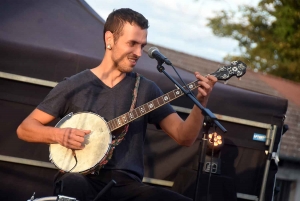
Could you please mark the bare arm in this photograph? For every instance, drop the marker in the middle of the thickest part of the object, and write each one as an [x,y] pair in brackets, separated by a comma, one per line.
[33,129]
[186,132]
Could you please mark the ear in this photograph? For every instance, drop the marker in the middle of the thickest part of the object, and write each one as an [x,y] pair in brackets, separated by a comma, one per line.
[109,38]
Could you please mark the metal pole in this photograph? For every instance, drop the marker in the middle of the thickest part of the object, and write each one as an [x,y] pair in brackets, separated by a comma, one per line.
[264,182]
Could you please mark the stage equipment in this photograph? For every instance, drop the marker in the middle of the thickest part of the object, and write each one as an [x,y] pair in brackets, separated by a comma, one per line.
[214,143]
[212,159]
[236,68]
[54,198]
[105,189]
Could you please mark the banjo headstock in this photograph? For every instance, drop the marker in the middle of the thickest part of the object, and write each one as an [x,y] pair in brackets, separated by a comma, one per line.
[236,68]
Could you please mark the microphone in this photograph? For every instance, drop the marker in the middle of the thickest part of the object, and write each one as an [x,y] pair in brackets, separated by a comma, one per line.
[154,53]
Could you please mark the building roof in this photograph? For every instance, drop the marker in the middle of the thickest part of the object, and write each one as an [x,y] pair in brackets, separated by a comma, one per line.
[258,82]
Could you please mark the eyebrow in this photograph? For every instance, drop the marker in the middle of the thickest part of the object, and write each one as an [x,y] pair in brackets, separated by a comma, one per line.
[133,41]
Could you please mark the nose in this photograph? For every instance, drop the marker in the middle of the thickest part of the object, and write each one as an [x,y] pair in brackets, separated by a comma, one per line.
[138,51]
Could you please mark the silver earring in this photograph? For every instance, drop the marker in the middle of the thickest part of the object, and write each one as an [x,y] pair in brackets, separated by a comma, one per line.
[108,47]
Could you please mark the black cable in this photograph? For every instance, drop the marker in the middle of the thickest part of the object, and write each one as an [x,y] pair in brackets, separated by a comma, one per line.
[75,157]
[210,169]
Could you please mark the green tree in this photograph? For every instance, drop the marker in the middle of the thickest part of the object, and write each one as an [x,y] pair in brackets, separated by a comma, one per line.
[268,36]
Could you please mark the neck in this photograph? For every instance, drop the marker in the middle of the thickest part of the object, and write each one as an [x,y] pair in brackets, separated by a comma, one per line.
[108,74]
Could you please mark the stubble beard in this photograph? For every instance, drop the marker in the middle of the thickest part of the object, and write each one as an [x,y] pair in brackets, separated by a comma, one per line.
[120,64]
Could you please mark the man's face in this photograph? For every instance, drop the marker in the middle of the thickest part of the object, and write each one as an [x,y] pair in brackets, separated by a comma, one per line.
[128,48]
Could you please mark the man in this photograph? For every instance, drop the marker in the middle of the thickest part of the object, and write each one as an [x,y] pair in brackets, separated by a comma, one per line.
[107,91]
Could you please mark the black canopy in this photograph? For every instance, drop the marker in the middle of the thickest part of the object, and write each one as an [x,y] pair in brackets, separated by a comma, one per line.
[50,40]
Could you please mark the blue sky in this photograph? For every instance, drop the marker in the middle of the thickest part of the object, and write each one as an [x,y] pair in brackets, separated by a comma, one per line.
[180,24]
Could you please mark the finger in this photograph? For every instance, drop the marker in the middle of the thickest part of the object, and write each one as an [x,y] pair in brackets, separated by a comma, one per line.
[202,92]
[204,85]
[82,133]
[86,131]
[71,144]
[201,77]
[75,146]
[73,138]
[77,138]
[212,78]
[76,143]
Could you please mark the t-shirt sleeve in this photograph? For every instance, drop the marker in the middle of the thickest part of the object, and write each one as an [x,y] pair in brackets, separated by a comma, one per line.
[55,102]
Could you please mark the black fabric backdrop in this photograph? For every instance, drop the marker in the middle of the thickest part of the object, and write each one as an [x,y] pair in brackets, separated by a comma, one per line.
[50,40]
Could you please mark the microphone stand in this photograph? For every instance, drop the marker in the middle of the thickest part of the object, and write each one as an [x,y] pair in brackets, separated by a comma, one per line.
[210,120]
[105,189]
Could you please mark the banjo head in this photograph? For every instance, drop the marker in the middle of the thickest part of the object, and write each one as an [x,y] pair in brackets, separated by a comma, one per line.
[97,143]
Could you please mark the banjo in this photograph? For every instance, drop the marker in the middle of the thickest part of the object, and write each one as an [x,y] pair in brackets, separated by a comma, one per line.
[98,143]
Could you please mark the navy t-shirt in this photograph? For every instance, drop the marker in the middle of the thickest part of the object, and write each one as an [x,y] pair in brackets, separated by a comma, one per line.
[86,92]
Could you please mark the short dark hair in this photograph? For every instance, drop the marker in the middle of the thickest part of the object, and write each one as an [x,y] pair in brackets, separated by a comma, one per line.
[116,20]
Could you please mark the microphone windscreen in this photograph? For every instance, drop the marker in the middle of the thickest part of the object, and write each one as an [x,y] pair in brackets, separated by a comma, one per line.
[151,50]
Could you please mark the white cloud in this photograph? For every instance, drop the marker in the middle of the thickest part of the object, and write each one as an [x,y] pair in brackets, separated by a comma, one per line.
[178,24]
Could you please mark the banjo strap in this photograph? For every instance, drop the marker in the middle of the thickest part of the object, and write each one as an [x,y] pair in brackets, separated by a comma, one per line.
[119,139]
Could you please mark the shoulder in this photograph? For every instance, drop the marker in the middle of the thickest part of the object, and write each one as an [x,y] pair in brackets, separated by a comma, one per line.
[149,88]
[76,79]
[83,75]
[148,83]
[144,82]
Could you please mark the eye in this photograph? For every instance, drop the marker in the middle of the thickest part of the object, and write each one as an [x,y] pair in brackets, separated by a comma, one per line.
[131,43]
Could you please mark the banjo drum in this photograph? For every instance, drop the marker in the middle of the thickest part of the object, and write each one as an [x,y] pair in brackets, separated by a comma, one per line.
[97,143]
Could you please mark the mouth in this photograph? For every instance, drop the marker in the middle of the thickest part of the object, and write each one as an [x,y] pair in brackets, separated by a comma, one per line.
[133,61]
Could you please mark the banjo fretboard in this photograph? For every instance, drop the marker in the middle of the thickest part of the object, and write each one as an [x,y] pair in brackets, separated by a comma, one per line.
[148,107]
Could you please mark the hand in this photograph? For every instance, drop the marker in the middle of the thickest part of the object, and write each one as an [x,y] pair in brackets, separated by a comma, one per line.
[72,138]
[206,84]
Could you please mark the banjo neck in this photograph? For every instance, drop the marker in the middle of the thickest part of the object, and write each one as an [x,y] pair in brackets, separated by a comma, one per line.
[236,68]
[148,107]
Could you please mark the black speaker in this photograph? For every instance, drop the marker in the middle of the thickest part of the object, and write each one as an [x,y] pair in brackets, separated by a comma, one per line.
[241,164]
[214,186]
